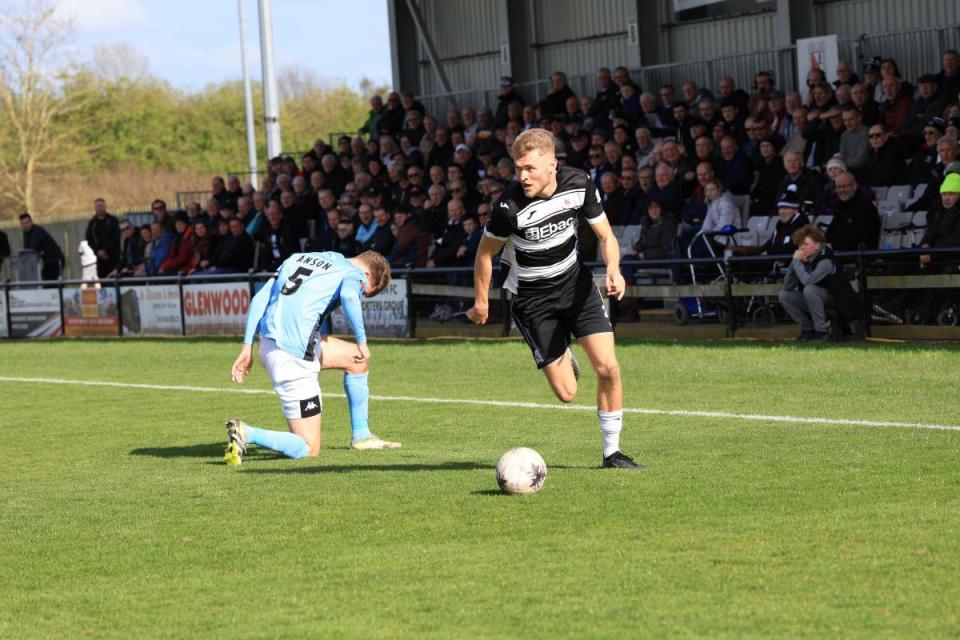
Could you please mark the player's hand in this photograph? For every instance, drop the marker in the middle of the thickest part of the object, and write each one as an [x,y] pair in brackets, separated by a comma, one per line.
[925,259]
[478,313]
[616,285]
[363,354]
[243,364]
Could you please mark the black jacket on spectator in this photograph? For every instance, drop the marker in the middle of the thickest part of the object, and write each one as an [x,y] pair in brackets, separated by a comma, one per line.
[614,205]
[931,194]
[845,299]
[809,187]
[764,196]
[445,252]
[948,87]
[104,234]
[392,121]
[276,245]
[441,155]
[826,139]
[227,198]
[883,167]
[38,240]
[500,117]
[132,254]
[345,246]
[920,114]
[606,100]
[922,167]
[943,227]
[236,253]
[855,222]
[657,237]
[433,219]
[556,102]
[870,113]
[381,241]
[781,242]
[672,196]
[4,245]
[737,175]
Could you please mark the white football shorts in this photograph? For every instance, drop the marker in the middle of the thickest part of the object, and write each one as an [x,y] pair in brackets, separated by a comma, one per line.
[294,379]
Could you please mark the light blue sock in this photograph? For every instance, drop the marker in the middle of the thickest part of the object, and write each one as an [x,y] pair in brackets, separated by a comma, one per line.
[289,444]
[358,394]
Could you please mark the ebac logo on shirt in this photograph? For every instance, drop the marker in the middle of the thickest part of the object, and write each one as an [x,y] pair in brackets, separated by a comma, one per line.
[547,230]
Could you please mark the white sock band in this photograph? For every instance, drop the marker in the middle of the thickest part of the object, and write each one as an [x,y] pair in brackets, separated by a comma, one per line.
[611,423]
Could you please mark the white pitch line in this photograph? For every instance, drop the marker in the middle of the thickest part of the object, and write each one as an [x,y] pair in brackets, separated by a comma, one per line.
[519,405]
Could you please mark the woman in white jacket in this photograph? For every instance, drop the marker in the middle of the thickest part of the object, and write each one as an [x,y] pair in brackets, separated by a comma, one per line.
[722,211]
[88,264]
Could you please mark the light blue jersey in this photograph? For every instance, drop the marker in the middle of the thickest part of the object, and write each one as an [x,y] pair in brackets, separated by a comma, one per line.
[292,306]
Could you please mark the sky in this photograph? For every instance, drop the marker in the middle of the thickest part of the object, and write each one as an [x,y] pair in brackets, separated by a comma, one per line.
[191,43]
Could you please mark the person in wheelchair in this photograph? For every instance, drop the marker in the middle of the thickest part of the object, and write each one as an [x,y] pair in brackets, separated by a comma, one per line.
[815,287]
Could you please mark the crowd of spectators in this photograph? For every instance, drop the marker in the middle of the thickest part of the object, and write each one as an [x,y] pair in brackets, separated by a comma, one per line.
[418,186]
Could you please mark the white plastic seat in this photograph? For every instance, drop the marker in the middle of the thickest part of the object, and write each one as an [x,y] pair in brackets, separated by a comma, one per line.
[920,219]
[919,190]
[890,241]
[888,207]
[823,221]
[896,220]
[880,193]
[899,192]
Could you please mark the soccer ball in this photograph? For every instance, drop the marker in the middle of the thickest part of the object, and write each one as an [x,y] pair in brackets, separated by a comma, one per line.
[521,472]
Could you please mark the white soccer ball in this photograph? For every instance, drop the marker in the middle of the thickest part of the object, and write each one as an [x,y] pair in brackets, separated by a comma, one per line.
[521,472]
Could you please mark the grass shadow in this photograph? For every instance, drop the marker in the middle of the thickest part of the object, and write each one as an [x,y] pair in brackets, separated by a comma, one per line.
[490,492]
[213,449]
[350,468]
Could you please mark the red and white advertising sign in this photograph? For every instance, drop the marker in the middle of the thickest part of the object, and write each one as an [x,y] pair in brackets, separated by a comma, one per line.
[216,308]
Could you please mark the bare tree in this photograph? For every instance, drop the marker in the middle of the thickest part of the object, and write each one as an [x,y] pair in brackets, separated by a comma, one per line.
[34,61]
[119,61]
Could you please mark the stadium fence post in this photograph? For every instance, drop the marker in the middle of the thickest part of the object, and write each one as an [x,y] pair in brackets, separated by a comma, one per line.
[183,316]
[728,296]
[411,305]
[505,310]
[864,293]
[116,292]
[63,314]
[6,306]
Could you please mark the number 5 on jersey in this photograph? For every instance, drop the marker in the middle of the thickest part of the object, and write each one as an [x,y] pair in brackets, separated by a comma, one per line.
[295,280]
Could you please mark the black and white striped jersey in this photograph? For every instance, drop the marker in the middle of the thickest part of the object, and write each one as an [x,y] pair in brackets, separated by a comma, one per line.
[541,233]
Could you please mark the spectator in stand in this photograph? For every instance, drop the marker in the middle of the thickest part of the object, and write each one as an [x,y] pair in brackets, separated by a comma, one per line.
[732,121]
[508,95]
[855,218]
[797,142]
[221,195]
[382,239]
[236,250]
[131,253]
[606,100]
[612,199]
[925,159]
[928,104]
[658,233]
[146,238]
[707,109]
[446,249]
[695,208]
[823,136]
[760,132]
[734,169]
[728,90]
[36,239]
[372,125]
[862,99]
[181,257]
[845,74]
[948,80]
[470,124]
[159,209]
[4,246]
[391,122]
[632,196]
[412,243]
[897,101]
[555,102]
[644,146]
[345,243]
[103,236]
[821,99]
[409,102]
[597,164]
[884,164]
[234,188]
[854,141]
[763,83]
[159,248]
[667,189]
[946,153]
[809,183]
[791,219]
[473,233]
[206,246]
[843,96]
[277,240]
[943,230]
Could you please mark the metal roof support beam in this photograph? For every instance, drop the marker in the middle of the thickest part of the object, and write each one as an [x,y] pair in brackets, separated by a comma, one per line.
[428,43]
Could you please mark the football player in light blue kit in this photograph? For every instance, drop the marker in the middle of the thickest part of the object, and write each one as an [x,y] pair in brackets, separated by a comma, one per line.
[288,313]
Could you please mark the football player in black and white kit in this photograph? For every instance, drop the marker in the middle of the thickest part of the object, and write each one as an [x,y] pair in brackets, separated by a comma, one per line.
[535,224]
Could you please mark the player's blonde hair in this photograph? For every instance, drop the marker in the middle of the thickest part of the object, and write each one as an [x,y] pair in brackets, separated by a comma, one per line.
[379,271]
[533,140]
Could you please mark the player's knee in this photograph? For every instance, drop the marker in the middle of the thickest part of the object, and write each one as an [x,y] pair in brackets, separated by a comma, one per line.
[358,368]
[608,372]
[566,395]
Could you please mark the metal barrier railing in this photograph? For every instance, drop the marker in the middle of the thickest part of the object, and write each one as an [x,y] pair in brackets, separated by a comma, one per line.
[870,270]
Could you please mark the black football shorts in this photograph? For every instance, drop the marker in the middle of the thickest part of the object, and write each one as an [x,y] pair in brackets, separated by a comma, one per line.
[547,319]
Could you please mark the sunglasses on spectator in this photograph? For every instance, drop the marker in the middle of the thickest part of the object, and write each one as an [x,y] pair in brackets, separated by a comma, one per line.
[876,135]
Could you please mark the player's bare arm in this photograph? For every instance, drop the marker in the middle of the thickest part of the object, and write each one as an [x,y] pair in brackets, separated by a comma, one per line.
[243,364]
[482,272]
[610,249]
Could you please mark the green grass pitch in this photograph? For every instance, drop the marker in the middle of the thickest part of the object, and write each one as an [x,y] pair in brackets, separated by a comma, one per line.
[120,520]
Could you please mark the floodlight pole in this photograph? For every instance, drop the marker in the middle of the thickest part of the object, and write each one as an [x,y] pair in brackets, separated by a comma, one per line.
[248,102]
[271,110]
